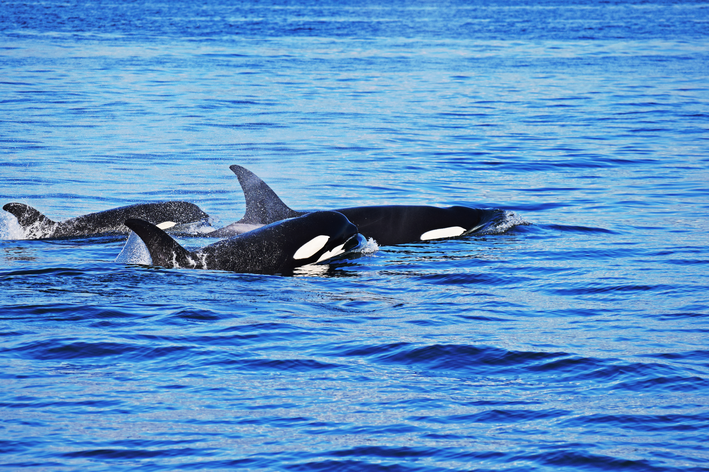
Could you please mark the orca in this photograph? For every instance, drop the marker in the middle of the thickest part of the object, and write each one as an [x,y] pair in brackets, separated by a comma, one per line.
[38,226]
[386,224]
[277,248]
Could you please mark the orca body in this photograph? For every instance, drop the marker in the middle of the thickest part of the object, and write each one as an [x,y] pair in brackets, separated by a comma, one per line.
[38,226]
[387,225]
[277,248]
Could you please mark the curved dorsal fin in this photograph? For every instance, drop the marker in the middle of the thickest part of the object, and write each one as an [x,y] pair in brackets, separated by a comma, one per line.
[263,206]
[164,250]
[26,215]
[33,223]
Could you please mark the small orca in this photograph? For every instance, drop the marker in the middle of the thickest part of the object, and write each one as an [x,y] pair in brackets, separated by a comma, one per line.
[38,226]
[387,224]
[277,248]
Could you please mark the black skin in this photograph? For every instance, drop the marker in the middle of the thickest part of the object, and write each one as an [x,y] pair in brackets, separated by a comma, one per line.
[38,226]
[267,250]
[387,225]
[401,224]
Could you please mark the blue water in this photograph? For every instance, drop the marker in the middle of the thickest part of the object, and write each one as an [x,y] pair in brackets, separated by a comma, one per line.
[576,341]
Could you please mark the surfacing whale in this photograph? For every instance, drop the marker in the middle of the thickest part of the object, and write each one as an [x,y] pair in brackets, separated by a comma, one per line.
[38,226]
[386,224]
[277,248]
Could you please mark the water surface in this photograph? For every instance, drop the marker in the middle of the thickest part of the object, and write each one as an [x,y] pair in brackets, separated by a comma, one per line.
[574,342]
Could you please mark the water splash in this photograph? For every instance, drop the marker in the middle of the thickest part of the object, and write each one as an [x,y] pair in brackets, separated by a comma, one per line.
[500,224]
[10,228]
[134,252]
[370,247]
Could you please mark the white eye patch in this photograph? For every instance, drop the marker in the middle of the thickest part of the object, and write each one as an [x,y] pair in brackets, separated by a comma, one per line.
[333,252]
[449,232]
[310,248]
[166,225]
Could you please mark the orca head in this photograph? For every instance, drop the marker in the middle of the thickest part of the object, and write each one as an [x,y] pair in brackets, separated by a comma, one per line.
[322,236]
[453,222]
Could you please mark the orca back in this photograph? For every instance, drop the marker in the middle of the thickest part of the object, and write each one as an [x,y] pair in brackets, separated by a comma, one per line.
[277,248]
[38,226]
[400,224]
[387,224]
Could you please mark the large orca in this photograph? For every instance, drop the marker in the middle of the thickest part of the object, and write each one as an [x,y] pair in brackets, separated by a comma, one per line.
[38,226]
[386,224]
[277,248]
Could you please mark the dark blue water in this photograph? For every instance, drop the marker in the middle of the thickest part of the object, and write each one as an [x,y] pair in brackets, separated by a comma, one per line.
[577,341]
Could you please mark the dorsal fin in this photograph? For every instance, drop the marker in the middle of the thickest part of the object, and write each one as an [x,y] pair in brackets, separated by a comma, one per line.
[33,223]
[26,215]
[164,250]
[263,206]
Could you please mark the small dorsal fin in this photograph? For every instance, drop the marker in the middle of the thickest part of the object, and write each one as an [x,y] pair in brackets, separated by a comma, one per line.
[164,250]
[26,215]
[34,224]
[263,206]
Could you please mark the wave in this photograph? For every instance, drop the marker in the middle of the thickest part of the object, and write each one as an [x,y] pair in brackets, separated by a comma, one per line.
[579,229]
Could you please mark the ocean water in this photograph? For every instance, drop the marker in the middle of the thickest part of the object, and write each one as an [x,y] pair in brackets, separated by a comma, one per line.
[574,337]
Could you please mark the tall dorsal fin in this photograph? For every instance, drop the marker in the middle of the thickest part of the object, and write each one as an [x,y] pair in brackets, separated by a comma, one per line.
[164,250]
[263,206]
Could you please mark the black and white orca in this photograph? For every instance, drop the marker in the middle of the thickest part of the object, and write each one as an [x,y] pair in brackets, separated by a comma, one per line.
[386,224]
[167,214]
[277,248]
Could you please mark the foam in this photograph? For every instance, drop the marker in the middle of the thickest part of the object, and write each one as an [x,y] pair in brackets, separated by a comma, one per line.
[10,228]
[500,224]
[370,247]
